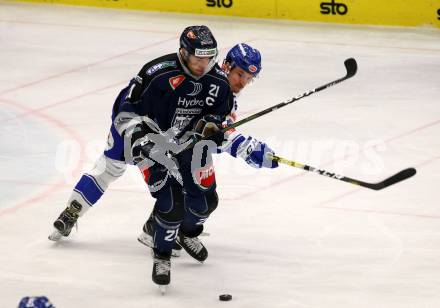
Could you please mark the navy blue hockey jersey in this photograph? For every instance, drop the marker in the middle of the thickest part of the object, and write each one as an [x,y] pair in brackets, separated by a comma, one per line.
[167,93]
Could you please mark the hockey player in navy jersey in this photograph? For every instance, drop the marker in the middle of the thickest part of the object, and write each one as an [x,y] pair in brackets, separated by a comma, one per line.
[242,64]
[168,97]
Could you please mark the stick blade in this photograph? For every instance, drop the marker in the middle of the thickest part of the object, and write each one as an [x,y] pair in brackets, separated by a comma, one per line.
[351,66]
[398,177]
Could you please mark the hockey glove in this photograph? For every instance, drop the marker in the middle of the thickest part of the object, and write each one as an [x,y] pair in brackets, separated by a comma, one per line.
[254,153]
[209,128]
[140,144]
[154,151]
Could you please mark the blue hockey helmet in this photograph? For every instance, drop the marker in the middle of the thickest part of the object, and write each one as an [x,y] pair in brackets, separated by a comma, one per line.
[35,302]
[245,57]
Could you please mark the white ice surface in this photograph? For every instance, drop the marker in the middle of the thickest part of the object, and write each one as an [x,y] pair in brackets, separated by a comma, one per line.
[279,238]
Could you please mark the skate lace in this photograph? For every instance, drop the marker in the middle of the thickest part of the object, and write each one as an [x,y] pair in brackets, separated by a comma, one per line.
[70,217]
[193,243]
[162,267]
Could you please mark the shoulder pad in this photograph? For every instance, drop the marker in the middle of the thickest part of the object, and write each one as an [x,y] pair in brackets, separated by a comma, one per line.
[161,65]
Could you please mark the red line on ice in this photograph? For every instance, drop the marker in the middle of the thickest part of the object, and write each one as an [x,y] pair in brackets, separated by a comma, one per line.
[53,187]
[29,84]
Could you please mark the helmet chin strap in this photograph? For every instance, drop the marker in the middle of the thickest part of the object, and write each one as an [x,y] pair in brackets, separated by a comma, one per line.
[183,56]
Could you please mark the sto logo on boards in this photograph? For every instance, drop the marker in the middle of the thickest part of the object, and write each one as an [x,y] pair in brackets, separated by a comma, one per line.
[333,8]
[219,3]
[438,14]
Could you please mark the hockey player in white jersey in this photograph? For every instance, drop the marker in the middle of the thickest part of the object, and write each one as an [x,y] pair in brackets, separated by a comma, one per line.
[112,163]
[242,65]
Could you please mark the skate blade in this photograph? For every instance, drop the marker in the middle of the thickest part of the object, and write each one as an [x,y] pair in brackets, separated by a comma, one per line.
[163,289]
[145,240]
[175,253]
[55,236]
[148,241]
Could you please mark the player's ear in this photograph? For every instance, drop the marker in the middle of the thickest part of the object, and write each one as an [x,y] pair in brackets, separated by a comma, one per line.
[183,53]
[226,67]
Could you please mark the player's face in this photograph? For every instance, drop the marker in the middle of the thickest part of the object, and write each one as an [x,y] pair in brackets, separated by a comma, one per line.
[198,65]
[239,78]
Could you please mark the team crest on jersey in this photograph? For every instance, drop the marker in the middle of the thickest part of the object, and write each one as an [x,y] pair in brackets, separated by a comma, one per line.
[197,88]
[176,81]
[161,65]
[182,117]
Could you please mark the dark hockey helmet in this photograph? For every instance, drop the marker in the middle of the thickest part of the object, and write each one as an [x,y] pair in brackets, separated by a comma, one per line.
[199,41]
[245,57]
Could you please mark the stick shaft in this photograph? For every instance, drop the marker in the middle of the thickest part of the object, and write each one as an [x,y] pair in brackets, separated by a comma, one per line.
[351,68]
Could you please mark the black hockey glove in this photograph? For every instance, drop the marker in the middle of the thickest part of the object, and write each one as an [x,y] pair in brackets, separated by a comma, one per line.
[140,144]
[209,128]
[153,150]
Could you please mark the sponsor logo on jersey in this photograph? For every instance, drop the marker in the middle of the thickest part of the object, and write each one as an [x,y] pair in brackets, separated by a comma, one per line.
[197,88]
[333,8]
[194,111]
[205,177]
[183,102]
[161,65]
[176,81]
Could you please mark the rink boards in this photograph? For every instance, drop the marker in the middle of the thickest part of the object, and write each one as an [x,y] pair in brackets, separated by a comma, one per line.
[370,12]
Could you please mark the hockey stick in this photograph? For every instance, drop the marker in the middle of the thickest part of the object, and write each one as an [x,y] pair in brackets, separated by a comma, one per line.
[398,177]
[350,66]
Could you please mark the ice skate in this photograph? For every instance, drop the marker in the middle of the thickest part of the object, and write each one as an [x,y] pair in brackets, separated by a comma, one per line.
[193,246]
[65,222]
[161,270]
[146,238]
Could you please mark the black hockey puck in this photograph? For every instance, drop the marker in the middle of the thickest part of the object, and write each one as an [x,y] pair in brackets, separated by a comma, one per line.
[225,297]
